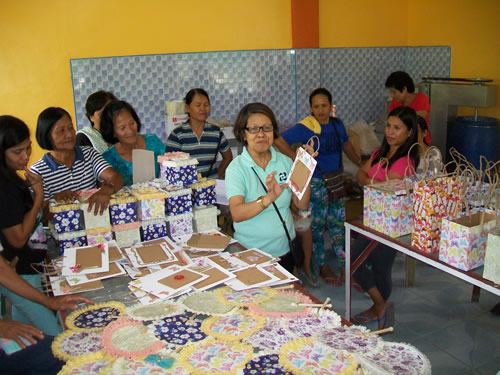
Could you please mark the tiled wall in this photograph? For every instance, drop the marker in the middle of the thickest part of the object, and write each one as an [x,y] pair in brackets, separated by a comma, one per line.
[282,79]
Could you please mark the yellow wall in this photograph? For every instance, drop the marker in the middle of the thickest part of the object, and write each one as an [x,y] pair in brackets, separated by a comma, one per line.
[38,38]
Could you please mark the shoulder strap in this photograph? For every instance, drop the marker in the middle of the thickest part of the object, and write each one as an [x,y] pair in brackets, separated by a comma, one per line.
[339,144]
[215,156]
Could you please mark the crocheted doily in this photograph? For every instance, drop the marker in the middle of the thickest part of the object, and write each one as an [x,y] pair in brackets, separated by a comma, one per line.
[395,358]
[178,330]
[125,366]
[129,338]
[307,326]
[236,326]
[155,311]
[283,304]
[215,356]
[272,336]
[304,356]
[98,363]
[265,364]
[205,303]
[354,339]
[95,317]
[246,297]
[70,344]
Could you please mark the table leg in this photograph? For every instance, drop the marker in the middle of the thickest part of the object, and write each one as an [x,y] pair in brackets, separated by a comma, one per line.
[347,273]
[476,291]
[411,265]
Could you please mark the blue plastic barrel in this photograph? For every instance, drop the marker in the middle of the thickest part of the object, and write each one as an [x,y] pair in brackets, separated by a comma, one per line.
[475,138]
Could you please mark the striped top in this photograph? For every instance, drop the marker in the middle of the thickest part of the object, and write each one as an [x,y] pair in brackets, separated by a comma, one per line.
[82,175]
[182,138]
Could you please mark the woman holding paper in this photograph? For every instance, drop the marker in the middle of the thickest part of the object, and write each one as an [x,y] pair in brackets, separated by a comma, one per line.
[333,141]
[120,126]
[256,186]
[391,162]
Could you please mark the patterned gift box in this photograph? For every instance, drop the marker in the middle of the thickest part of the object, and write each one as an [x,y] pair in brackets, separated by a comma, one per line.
[123,208]
[178,168]
[66,217]
[204,193]
[432,201]
[153,229]
[95,236]
[92,221]
[178,202]
[180,225]
[127,234]
[70,239]
[492,257]
[150,203]
[463,241]
[205,218]
[387,208]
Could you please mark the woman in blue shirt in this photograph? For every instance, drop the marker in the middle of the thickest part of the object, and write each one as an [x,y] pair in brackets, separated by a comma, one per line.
[120,126]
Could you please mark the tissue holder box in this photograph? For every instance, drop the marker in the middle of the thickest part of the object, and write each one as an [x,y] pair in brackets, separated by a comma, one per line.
[205,218]
[204,193]
[70,239]
[178,168]
[123,208]
[180,225]
[150,203]
[178,202]
[153,229]
[66,217]
[127,234]
[95,236]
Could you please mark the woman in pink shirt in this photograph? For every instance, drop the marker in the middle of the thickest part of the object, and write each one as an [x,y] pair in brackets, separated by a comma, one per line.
[391,162]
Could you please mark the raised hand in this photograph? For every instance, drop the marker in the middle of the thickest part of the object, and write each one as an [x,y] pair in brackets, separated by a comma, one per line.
[35,181]
[274,189]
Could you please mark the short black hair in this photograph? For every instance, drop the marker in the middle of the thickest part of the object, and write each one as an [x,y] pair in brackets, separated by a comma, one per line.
[242,119]
[13,132]
[191,93]
[46,120]
[320,91]
[97,101]
[108,117]
[399,80]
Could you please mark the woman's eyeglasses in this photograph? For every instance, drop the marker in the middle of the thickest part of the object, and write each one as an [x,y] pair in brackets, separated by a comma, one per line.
[257,129]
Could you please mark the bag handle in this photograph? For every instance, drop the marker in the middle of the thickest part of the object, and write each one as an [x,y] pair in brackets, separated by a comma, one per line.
[379,164]
[276,208]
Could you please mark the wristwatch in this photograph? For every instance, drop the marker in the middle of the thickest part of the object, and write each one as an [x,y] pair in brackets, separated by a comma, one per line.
[260,200]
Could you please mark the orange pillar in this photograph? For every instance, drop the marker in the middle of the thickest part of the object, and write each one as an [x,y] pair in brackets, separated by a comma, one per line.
[305,23]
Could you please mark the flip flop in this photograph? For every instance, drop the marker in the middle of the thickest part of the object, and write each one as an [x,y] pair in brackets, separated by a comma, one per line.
[333,280]
[310,279]
[388,319]
[363,319]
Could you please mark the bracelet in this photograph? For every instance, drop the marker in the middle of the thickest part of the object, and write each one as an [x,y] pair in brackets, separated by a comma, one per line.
[260,200]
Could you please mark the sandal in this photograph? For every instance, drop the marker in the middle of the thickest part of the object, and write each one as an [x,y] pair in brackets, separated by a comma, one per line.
[363,319]
[388,319]
[333,280]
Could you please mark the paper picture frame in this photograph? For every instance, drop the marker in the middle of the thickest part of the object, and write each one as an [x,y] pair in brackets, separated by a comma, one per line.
[301,173]
[115,252]
[171,245]
[284,277]
[216,274]
[207,241]
[160,254]
[60,286]
[90,264]
[115,269]
[255,256]
[251,277]
[228,261]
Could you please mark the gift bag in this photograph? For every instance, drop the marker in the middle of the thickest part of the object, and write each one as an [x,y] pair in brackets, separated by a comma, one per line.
[463,240]
[433,200]
[492,257]
[387,208]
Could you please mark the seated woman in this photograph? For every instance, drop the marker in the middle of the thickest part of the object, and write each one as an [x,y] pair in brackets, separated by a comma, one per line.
[374,274]
[91,135]
[403,93]
[20,205]
[67,168]
[255,181]
[200,139]
[120,126]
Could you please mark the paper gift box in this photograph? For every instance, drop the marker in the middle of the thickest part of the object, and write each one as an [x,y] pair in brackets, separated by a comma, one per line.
[96,236]
[387,208]
[205,218]
[463,240]
[432,201]
[123,208]
[91,220]
[150,203]
[66,217]
[172,121]
[127,234]
[178,202]
[180,225]
[492,257]
[70,239]
[178,168]
[204,193]
[152,229]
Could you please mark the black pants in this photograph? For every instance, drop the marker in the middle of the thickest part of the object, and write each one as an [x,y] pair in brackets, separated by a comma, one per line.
[376,270]
[287,262]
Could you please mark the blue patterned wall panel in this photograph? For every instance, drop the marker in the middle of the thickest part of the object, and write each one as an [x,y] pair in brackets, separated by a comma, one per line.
[283,79]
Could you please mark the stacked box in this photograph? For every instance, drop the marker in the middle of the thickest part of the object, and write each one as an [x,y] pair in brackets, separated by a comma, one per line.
[180,225]
[123,208]
[70,239]
[178,202]
[127,234]
[96,236]
[66,217]
[91,220]
[153,229]
[178,168]
[204,193]
[150,203]
[205,218]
